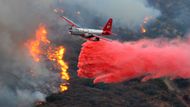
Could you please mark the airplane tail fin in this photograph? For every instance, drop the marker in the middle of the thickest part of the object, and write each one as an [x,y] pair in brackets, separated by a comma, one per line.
[107,30]
[108,26]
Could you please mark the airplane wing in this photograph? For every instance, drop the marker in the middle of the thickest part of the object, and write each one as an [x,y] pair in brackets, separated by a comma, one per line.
[102,38]
[70,22]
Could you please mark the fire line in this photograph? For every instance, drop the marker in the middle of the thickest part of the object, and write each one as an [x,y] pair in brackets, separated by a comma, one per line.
[42,46]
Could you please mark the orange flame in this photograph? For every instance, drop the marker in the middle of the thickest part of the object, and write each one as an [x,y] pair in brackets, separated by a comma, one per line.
[57,56]
[143,29]
[146,19]
[41,46]
[34,45]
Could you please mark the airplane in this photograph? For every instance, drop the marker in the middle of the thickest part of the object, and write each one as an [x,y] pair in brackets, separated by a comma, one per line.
[90,34]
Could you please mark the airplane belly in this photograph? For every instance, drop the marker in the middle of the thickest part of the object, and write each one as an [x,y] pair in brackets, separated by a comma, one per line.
[81,31]
[92,31]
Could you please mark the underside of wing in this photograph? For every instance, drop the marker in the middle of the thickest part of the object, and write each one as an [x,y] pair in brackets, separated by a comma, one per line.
[100,37]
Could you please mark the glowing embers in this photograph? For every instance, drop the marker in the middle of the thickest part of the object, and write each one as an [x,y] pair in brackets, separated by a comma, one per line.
[146,20]
[41,48]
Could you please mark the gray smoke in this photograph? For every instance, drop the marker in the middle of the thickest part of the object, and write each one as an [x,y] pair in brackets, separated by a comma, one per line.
[22,81]
[181,14]
[130,13]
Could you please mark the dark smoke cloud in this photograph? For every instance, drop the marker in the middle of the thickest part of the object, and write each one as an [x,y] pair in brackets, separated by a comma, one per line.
[130,13]
[22,81]
[181,14]
[174,13]
[111,62]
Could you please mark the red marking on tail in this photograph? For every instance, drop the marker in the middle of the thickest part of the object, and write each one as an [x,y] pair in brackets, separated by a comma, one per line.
[107,30]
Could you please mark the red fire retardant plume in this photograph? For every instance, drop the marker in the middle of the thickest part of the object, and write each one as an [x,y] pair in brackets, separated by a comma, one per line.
[112,62]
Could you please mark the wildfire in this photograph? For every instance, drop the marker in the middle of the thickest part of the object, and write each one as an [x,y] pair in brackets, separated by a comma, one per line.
[143,29]
[146,19]
[34,45]
[41,46]
[57,57]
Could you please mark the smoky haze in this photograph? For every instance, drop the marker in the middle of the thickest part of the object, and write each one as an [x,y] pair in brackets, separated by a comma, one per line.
[130,13]
[22,81]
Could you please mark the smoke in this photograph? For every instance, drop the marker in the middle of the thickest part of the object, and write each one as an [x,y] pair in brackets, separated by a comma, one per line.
[181,14]
[111,62]
[22,81]
[130,13]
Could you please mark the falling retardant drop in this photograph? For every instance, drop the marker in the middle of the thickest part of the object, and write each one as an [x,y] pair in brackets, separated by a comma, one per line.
[112,62]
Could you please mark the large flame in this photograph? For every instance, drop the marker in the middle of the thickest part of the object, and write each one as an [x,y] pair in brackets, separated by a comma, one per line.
[56,55]
[41,46]
[34,45]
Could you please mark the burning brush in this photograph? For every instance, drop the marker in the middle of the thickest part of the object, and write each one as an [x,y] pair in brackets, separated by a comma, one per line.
[146,20]
[41,47]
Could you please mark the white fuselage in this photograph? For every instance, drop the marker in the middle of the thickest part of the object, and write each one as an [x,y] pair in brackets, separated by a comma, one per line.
[83,31]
